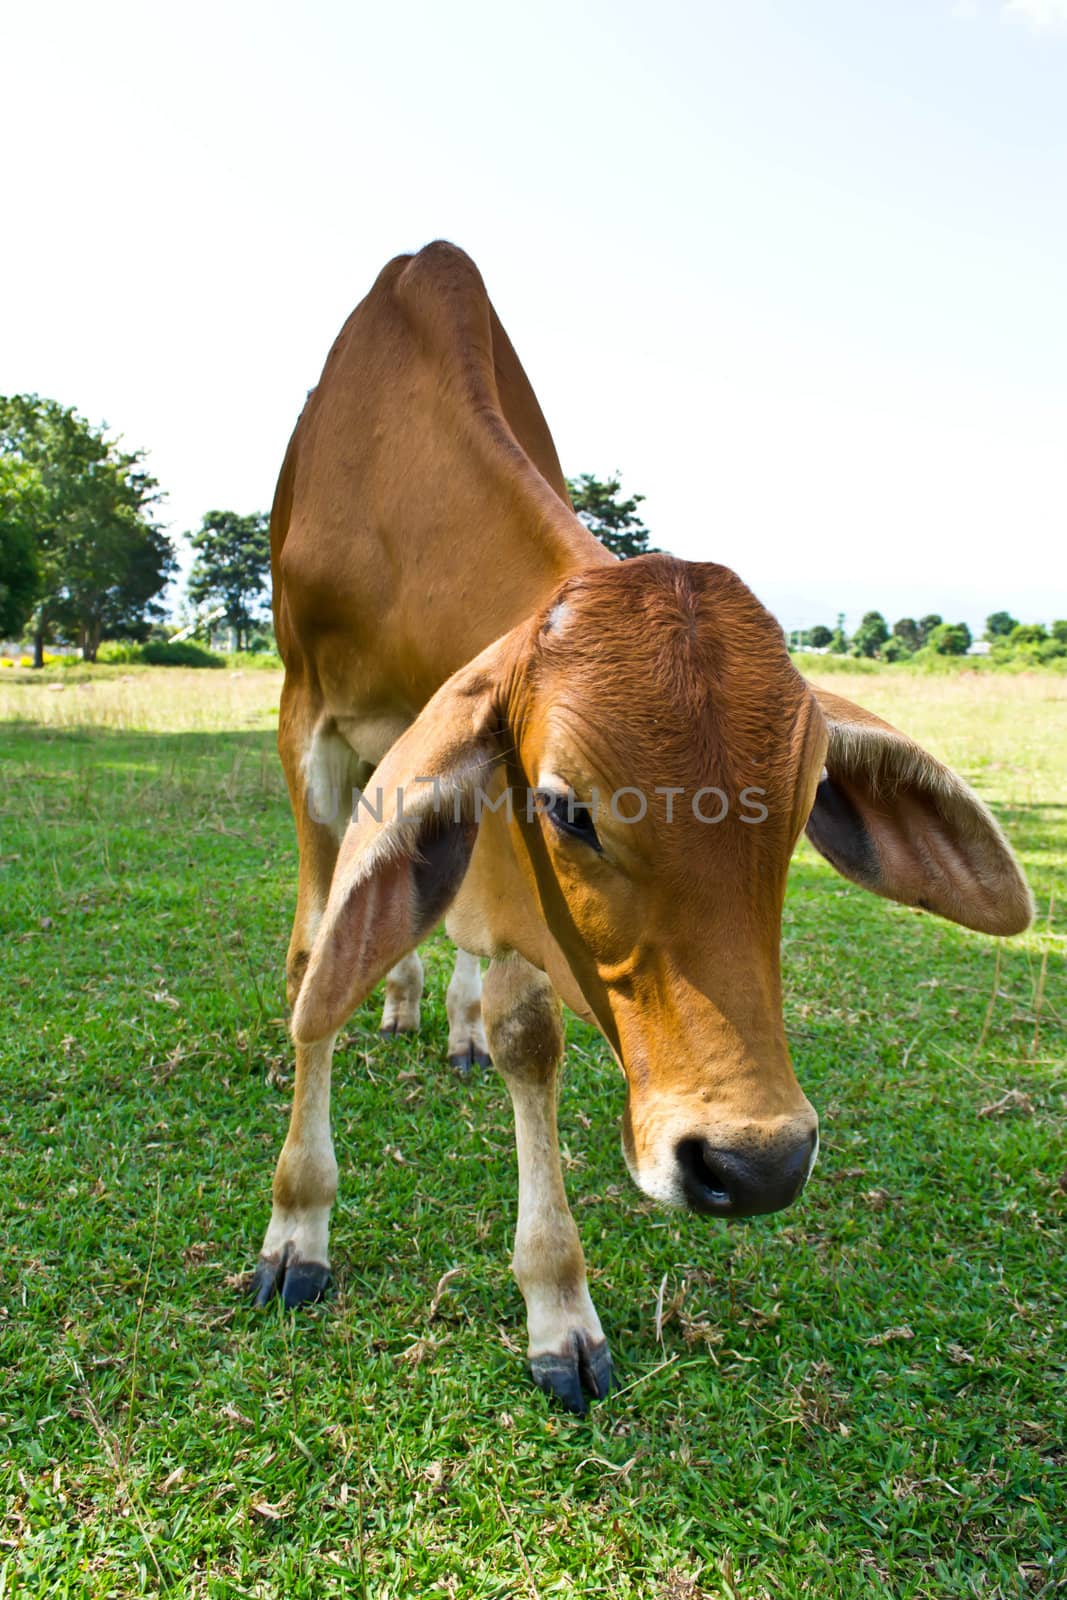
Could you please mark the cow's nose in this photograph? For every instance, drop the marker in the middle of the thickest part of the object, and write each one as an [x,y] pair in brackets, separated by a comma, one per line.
[727,1183]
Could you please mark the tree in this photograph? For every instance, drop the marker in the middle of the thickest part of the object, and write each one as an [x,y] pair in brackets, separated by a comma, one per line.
[1059,631]
[927,626]
[999,625]
[820,637]
[951,638]
[21,497]
[115,571]
[101,558]
[1027,633]
[839,638]
[906,629]
[895,649]
[871,635]
[232,567]
[616,522]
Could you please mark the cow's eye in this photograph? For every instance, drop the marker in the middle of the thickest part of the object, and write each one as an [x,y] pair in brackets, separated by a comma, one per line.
[571,816]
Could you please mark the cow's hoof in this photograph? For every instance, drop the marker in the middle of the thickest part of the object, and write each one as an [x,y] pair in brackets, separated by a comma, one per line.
[297,1283]
[566,1377]
[464,1061]
[393,1030]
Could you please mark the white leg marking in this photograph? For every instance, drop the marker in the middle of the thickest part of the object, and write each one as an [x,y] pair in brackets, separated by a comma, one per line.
[467,1043]
[567,1349]
[305,1179]
[403,991]
[548,1263]
[331,770]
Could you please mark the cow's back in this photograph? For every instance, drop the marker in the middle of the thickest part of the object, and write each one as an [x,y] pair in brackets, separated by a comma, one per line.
[421,510]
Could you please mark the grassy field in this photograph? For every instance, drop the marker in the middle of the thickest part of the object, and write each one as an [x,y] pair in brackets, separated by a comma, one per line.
[862,1397]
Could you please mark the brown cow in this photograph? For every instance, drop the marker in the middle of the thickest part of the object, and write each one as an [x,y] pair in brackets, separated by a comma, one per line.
[448,626]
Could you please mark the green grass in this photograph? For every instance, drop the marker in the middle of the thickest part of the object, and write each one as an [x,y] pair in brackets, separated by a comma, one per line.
[861,1397]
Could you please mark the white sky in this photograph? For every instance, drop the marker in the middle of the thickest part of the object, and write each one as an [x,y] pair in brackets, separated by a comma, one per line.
[797,268]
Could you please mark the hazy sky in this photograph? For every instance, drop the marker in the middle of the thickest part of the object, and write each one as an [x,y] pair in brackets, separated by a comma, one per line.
[798,269]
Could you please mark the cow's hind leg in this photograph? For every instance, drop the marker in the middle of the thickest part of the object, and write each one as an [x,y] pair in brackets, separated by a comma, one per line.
[467,1045]
[567,1350]
[294,1261]
[403,993]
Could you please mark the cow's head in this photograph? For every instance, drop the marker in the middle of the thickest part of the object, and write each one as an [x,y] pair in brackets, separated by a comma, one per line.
[673,756]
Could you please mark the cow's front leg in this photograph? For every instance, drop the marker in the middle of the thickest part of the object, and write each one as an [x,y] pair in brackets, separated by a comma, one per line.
[567,1348]
[295,1260]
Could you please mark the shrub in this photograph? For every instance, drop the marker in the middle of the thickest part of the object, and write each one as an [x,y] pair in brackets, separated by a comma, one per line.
[252,661]
[158,653]
[118,651]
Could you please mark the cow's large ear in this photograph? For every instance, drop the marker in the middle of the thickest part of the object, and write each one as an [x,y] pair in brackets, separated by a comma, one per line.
[407,848]
[898,822]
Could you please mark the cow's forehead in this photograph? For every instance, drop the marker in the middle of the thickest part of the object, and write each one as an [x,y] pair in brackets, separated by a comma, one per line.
[666,668]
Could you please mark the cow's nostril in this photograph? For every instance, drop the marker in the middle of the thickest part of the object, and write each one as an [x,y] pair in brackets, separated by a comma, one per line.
[704,1177]
[726,1183]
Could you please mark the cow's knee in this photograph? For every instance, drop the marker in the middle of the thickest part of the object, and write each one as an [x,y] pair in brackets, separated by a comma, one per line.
[523,1021]
[295,966]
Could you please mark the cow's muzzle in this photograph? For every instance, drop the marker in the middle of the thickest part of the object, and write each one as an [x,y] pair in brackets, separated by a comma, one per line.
[733,1183]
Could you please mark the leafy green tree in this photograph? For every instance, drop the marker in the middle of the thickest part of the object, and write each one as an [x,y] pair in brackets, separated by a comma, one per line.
[1027,633]
[102,560]
[21,500]
[1059,631]
[951,639]
[895,649]
[114,574]
[927,625]
[999,625]
[232,567]
[820,637]
[871,635]
[599,505]
[839,640]
[906,629]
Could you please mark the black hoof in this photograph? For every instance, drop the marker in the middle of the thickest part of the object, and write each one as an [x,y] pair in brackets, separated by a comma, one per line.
[297,1283]
[392,1031]
[464,1060]
[563,1376]
[305,1282]
[265,1281]
[595,1364]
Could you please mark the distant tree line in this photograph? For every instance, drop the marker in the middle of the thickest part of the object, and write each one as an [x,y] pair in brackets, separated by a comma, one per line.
[1008,638]
[83,558]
